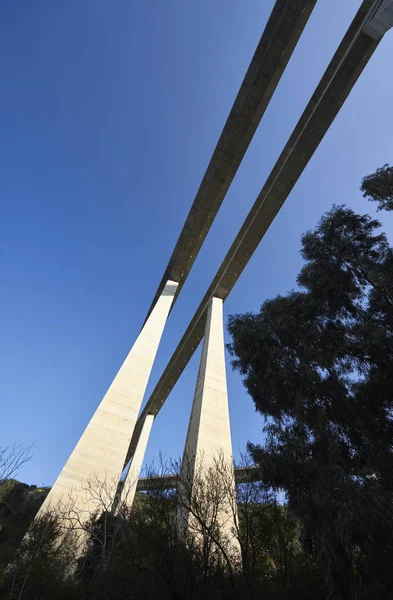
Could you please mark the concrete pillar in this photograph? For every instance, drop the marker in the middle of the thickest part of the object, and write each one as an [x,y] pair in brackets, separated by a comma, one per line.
[207,459]
[98,459]
[131,480]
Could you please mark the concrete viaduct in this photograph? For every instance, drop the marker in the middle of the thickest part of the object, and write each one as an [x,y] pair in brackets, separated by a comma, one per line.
[117,433]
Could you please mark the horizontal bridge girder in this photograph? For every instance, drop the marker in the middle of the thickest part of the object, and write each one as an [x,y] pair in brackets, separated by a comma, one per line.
[167,482]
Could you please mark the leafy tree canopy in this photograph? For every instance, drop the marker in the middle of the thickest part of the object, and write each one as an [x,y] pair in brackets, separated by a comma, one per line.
[379,187]
[318,364]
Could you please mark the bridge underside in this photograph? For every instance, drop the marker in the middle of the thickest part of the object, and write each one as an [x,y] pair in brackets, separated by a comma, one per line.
[338,80]
[280,36]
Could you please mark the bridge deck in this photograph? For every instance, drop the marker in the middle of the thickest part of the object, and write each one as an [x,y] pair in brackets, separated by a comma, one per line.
[340,76]
[280,36]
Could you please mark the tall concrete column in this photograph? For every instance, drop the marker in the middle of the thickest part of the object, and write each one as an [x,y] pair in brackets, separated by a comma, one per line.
[131,480]
[98,458]
[207,459]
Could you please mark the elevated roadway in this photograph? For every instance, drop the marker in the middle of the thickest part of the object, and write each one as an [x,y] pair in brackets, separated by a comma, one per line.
[352,55]
[279,38]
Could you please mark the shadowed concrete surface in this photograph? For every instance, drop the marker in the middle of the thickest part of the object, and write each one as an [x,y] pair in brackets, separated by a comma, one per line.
[131,481]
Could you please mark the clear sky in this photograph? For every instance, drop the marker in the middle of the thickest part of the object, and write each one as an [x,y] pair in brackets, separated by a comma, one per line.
[109,113]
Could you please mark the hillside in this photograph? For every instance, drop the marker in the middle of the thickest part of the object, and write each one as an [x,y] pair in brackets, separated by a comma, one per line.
[19,503]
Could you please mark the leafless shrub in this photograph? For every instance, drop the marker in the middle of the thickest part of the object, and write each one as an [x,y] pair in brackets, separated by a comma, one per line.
[12,458]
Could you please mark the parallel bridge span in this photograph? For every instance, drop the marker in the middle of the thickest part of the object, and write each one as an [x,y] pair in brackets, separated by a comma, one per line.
[347,64]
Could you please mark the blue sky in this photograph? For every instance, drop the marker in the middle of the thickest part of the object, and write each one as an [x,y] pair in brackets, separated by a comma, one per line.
[109,113]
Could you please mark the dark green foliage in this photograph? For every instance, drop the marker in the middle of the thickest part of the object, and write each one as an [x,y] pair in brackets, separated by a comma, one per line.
[102,533]
[379,187]
[138,555]
[147,560]
[318,364]
[19,504]
[40,567]
[274,562]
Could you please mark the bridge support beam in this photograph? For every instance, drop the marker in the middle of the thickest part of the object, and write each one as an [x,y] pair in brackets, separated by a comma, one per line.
[97,461]
[132,478]
[207,459]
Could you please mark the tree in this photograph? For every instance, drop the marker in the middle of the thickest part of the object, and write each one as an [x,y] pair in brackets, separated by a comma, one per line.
[140,548]
[318,364]
[18,504]
[275,565]
[140,551]
[41,565]
[379,187]
[12,458]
